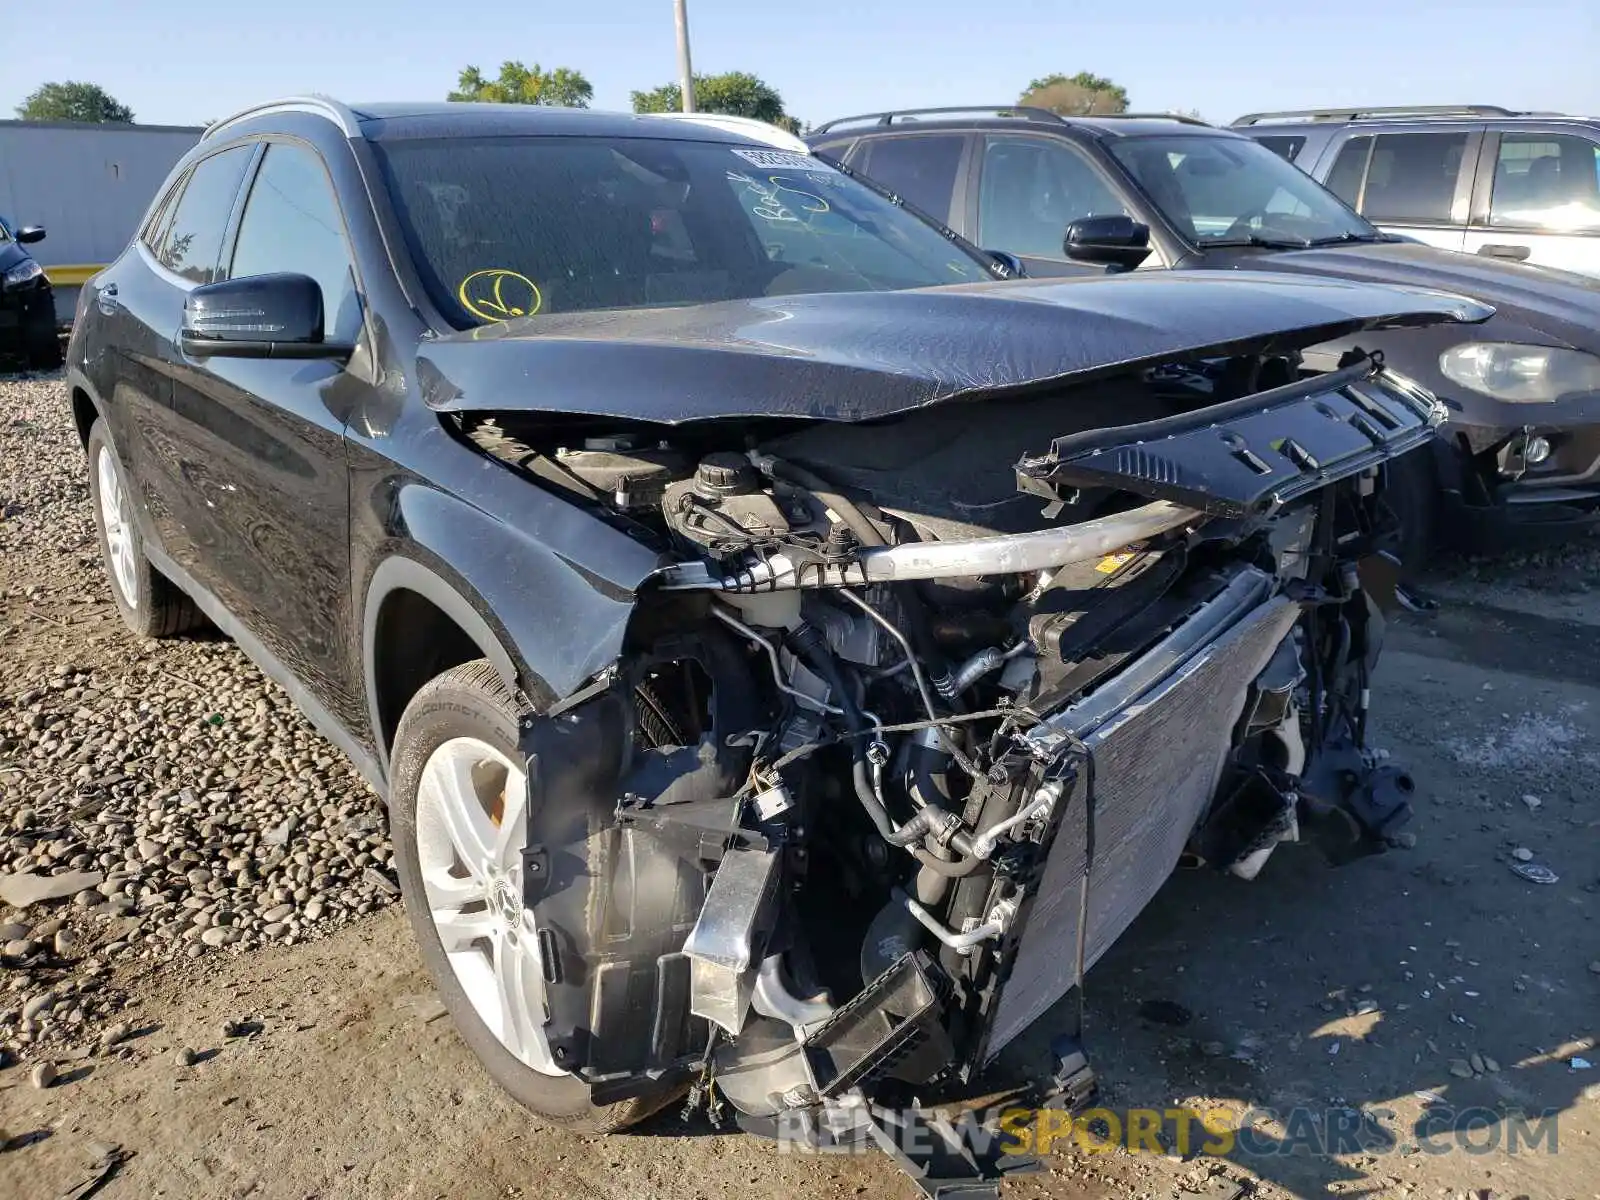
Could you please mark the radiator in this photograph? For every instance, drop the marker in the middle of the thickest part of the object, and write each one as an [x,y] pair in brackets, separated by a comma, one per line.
[1160,732]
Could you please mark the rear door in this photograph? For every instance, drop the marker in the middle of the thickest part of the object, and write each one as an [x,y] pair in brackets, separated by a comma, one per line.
[121,339]
[1538,199]
[260,442]
[1415,182]
[1029,189]
[927,170]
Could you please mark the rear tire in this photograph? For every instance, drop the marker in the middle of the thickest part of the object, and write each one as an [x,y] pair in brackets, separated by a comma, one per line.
[462,727]
[150,604]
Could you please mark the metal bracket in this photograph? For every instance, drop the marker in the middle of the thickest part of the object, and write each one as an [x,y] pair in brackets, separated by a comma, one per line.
[535,874]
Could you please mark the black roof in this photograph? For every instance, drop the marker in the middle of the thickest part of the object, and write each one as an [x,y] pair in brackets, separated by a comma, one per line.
[396,120]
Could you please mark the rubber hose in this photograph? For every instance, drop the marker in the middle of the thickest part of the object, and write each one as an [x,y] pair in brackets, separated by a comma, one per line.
[869,799]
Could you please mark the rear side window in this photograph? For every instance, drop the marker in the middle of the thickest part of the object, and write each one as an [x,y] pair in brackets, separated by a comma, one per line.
[192,244]
[920,170]
[1546,181]
[292,223]
[1284,147]
[1412,176]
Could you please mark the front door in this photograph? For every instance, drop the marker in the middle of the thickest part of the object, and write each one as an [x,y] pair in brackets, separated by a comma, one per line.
[1029,190]
[261,442]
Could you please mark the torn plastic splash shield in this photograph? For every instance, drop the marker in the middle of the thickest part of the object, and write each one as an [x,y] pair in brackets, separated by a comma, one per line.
[1249,455]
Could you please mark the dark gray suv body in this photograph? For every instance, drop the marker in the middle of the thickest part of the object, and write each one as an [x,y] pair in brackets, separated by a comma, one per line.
[1086,196]
[1521,186]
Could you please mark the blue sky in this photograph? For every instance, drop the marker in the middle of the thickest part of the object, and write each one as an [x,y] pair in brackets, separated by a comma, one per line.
[181,62]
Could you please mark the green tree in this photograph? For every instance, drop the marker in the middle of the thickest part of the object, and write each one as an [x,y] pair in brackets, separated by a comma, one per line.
[74,102]
[734,93]
[562,87]
[1079,95]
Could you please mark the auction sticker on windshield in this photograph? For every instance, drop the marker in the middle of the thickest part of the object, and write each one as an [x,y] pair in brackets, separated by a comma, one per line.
[777,159]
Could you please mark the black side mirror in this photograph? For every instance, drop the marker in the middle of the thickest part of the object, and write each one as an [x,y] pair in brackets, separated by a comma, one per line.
[1009,262]
[1117,241]
[30,233]
[258,316]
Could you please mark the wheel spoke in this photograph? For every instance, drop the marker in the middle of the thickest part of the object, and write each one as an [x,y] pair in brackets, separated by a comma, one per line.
[471,832]
[471,824]
[520,1031]
[513,832]
[458,930]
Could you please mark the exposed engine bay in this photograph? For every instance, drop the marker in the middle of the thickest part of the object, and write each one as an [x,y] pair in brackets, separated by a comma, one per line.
[919,713]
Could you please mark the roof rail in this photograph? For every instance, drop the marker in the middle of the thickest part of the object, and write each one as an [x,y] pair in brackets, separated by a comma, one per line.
[1024,111]
[1181,118]
[1359,114]
[762,131]
[322,106]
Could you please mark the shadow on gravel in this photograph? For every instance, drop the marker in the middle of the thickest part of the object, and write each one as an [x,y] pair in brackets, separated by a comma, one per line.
[21,1141]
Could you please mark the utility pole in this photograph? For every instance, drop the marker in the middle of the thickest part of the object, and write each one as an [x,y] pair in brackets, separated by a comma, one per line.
[685,71]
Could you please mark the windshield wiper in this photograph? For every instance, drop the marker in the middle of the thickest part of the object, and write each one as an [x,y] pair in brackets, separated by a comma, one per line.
[1341,238]
[1255,239]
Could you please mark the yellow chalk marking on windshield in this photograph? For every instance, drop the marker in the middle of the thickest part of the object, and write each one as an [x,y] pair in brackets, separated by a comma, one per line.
[486,295]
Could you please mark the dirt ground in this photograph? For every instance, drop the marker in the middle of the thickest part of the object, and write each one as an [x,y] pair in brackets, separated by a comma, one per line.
[1432,980]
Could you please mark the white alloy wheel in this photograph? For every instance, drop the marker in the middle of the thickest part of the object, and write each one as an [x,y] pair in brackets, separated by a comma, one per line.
[119,530]
[471,827]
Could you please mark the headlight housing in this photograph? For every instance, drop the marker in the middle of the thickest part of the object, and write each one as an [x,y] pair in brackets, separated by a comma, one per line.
[1521,374]
[24,272]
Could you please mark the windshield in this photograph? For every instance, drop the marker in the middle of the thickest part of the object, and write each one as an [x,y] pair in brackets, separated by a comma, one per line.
[1234,191]
[506,227]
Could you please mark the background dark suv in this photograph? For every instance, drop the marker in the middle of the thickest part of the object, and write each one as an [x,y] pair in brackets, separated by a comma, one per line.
[1091,195]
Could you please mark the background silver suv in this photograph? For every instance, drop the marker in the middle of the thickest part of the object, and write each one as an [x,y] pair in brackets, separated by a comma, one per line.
[1523,186]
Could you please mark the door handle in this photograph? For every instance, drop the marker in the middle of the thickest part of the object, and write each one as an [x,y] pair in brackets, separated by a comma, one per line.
[106,299]
[1505,250]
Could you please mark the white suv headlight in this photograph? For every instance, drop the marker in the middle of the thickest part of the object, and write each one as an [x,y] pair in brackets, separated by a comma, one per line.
[1520,374]
[22,273]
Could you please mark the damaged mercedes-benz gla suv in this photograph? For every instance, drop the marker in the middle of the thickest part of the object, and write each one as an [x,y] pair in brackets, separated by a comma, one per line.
[792,650]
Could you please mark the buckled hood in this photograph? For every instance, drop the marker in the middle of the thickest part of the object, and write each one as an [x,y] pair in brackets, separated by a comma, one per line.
[859,356]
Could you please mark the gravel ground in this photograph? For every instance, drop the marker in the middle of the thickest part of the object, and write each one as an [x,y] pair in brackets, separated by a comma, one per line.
[217,993]
[176,801]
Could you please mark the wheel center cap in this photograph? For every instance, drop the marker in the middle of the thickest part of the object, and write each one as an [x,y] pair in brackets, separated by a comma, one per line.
[505,901]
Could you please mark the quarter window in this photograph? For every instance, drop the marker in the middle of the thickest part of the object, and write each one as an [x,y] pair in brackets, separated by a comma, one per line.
[292,223]
[1283,147]
[920,170]
[161,220]
[1349,169]
[1546,181]
[193,242]
[1032,190]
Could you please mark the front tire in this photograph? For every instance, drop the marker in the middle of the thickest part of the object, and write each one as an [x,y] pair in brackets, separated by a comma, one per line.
[150,604]
[458,807]
[1412,493]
